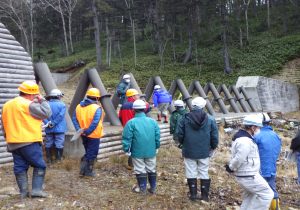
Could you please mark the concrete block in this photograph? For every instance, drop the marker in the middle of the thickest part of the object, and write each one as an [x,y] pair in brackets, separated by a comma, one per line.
[270,94]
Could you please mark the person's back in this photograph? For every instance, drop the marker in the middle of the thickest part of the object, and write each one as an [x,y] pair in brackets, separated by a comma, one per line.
[198,133]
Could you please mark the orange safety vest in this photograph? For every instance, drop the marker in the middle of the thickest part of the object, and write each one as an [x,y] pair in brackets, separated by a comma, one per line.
[85,116]
[18,124]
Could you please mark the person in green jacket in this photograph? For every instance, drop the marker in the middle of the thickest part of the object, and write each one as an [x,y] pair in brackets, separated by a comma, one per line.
[141,140]
[175,117]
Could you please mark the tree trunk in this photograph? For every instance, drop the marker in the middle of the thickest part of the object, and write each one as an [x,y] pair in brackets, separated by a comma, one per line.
[97,35]
[133,36]
[70,32]
[268,14]
[188,53]
[227,69]
[64,28]
[31,28]
[246,19]
[107,41]
[120,55]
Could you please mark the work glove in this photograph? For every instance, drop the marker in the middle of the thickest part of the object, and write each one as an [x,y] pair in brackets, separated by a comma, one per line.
[180,146]
[228,169]
[156,151]
[128,154]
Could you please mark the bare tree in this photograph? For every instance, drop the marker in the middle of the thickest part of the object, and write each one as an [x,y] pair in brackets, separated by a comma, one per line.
[13,10]
[97,34]
[129,5]
[246,6]
[57,5]
[69,6]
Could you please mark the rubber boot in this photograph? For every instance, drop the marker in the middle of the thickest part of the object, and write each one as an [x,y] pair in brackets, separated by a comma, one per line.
[193,188]
[275,204]
[166,119]
[22,181]
[83,165]
[142,182]
[205,185]
[89,168]
[48,155]
[37,183]
[58,154]
[152,182]
[158,117]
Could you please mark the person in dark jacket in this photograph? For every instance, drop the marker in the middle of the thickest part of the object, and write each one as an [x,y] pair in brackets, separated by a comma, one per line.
[175,117]
[269,147]
[141,140]
[122,87]
[56,125]
[161,99]
[87,119]
[198,134]
[295,146]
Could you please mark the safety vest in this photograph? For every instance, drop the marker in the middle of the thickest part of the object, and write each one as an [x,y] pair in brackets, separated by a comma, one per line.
[85,116]
[19,125]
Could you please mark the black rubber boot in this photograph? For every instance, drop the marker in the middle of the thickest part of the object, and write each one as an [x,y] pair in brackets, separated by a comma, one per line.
[48,155]
[158,117]
[205,185]
[59,154]
[22,181]
[152,182]
[142,182]
[37,183]
[166,119]
[193,188]
[83,165]
[89,169]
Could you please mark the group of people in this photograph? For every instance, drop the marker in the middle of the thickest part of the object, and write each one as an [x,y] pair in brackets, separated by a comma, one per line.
[255,147]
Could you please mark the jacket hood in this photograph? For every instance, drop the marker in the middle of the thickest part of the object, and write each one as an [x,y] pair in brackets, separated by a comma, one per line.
[87,102]
[241,133]
[197,118]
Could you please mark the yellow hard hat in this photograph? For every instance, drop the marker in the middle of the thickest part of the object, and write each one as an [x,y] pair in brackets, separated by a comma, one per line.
[29,87]
[93,92]
[131,92]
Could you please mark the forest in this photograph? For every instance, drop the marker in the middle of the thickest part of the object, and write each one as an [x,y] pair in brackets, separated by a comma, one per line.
[220,39]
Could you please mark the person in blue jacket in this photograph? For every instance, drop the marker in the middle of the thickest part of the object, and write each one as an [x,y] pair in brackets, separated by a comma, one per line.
[269,146]
[56,126]
[161,99]
[141,140]
[198,133]
[122,87]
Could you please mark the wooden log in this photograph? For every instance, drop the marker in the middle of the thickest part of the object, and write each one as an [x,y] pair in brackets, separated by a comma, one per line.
[9,41]
[13,52]
[15,57]
[7,96]
[3,149]
[11,91]
[114,148]
[10,85]
[6,160]
[5,155]
[3,30]
[15,66]
[11,47]
[16,71]
[101,156]
[16,62]
[17,76]
[6,36]
[5,80]
[110,144]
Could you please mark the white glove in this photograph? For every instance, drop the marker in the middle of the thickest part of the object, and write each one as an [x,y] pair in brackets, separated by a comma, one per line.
[128,154]
[156,151]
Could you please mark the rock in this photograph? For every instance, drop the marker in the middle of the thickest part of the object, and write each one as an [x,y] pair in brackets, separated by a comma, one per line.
[20,205]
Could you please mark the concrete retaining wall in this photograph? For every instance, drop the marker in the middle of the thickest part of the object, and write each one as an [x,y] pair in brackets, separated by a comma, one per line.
[270,94]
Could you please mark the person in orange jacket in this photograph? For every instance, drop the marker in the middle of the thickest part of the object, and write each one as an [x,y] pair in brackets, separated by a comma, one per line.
[22,125]
[88,116]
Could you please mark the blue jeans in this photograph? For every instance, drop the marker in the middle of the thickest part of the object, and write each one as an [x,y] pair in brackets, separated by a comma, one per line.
[56,139]
[30,155]
[298,166]
[272,183]
[91,147]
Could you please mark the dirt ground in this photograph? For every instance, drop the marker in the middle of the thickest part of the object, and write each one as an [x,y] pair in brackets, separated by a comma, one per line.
[111,188]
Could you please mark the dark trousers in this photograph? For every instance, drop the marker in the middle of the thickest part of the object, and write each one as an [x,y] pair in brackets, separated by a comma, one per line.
[272,183]
[91,147]
[30,155]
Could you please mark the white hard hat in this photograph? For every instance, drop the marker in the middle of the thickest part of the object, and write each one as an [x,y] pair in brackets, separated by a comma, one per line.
[156,87]
[55,92]
[253,120]
[139,104]
[126,76]
[199,102]
[178,103]
[265,117]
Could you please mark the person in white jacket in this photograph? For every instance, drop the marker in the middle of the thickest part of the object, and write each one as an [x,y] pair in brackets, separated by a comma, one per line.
[245,166]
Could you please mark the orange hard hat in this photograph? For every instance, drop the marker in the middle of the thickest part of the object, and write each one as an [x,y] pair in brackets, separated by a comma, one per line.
[29,87]
[131,92]
[93,92]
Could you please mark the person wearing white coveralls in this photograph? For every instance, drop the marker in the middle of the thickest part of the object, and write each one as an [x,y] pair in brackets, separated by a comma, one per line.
[245,166]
